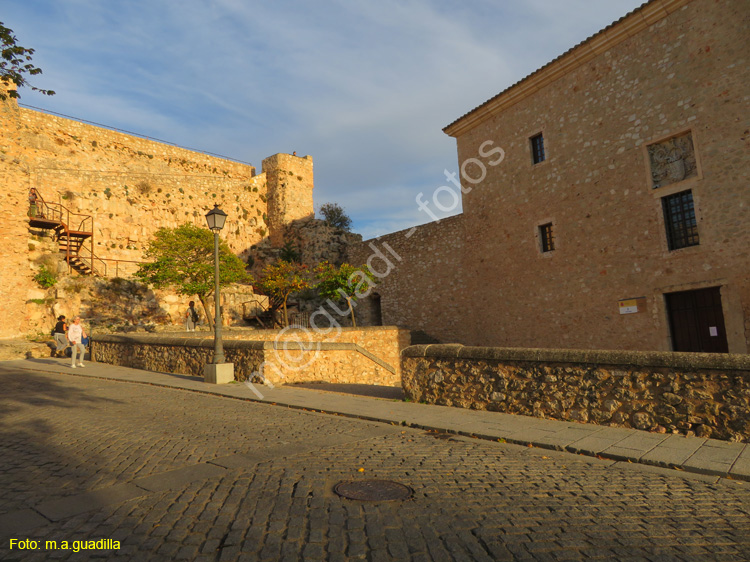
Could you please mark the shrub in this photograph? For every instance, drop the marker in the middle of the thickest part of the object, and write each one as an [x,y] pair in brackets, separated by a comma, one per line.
[144,187]
[45,277]
[290,253]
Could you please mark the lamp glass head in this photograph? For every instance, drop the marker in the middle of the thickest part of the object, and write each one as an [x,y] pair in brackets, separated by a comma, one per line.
[216,218]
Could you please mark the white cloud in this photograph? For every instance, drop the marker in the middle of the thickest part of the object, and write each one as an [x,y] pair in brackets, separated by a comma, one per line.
[364,87]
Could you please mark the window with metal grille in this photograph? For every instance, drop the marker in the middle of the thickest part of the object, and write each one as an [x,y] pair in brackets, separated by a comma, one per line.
[537,148]
[547,237]
[679,220]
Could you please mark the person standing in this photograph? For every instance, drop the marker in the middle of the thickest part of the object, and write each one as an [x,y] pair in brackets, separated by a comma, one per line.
[75,334]
[61,340]
[33,206]
[191,317]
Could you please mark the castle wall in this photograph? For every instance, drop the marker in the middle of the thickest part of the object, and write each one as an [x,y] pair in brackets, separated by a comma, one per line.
[684,73]
[419,278]
[15,273]
[130,185]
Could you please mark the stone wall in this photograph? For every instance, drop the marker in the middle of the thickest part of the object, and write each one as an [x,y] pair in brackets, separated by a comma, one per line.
[671,68]
[354,356]
[419,278]
[702,394]
[131,186]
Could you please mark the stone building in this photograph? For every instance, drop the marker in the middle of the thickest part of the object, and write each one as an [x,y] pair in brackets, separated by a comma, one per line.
[122,188]
[605,198]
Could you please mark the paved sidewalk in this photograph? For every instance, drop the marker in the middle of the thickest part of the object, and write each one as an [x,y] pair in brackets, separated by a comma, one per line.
[690,454]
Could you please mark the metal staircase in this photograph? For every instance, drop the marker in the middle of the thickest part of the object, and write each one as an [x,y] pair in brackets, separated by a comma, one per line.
[74,233]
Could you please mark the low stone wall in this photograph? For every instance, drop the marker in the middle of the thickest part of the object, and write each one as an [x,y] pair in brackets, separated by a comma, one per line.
[384,342]
[691,393]
[282,357]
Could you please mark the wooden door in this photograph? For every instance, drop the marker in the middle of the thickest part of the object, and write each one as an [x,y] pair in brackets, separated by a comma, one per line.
[696,321]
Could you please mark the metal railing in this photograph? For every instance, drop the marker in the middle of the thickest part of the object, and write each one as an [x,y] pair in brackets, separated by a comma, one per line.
[70,223]
[117,267]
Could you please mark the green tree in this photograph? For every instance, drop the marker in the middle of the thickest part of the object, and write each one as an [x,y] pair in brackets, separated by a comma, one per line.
[335,216]
[15,64]
[345,282]
[183,258]
[290,252]
[281,279]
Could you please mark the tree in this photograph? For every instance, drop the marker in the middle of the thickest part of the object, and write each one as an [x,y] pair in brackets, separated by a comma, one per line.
[183,258]
[290,252]
[15,64]
[335,216]
[281,279]
[345,282]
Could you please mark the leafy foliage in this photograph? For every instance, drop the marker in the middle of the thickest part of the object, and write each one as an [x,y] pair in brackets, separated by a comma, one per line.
[345,282]
[283,278]
[45,277]
[335,216]
[183,258]
[290,252]
[15,64]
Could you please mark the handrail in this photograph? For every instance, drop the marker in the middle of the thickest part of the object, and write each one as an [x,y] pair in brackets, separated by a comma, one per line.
[60,213]
[118,262]
[57,212]
[100,271]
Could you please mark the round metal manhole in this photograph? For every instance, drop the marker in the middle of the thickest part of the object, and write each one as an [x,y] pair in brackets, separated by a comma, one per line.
[372,490]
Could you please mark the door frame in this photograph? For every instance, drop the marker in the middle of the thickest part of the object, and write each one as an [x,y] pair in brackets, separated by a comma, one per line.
[731,307]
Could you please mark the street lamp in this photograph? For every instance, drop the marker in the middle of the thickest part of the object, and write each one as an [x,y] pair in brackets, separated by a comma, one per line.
[218,371]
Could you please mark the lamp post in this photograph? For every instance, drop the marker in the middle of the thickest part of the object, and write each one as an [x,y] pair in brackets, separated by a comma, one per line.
[218,371]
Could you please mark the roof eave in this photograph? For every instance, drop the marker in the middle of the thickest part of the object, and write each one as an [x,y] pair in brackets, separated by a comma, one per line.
[617,32]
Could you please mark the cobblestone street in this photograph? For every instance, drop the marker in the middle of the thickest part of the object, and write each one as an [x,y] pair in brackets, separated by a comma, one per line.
[178,475]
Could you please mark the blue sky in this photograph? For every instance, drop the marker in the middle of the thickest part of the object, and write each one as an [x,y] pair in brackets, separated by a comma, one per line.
[365,87]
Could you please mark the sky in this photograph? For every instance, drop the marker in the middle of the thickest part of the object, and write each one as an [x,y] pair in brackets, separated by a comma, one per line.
[364,87]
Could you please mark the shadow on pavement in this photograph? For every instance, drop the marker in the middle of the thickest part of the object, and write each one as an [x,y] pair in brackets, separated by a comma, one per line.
[32,460]
[373,391]
[65,365]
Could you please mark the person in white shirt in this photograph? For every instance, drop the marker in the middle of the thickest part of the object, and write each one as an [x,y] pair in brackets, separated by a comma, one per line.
[75,335]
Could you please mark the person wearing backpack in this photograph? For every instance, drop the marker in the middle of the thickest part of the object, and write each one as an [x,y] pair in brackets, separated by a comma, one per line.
[191,317]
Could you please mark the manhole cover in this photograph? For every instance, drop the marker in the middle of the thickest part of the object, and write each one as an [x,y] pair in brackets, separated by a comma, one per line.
[372,490]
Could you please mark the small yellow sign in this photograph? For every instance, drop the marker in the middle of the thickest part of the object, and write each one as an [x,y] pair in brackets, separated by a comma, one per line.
[632,306]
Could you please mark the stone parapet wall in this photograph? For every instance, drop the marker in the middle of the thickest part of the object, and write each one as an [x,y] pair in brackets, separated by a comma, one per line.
[382,342]
[281,357]
[691,393]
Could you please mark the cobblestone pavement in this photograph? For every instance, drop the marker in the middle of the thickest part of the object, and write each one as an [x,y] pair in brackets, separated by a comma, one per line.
[185,476]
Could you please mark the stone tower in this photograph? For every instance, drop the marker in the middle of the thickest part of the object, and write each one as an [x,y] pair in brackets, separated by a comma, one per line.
[290,192]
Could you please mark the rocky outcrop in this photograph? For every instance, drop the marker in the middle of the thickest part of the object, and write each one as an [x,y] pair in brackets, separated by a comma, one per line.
[311,240]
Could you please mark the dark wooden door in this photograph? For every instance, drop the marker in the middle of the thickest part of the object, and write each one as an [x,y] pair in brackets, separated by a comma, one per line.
[697,321]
